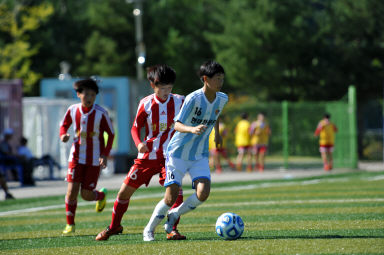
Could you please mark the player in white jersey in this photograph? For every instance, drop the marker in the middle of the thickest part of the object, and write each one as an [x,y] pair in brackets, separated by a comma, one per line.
[188,149]
[88,153]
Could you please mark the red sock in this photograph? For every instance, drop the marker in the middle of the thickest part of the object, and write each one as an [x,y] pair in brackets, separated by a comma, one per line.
[119,208]
[98,195]
[70,210]
[178,202]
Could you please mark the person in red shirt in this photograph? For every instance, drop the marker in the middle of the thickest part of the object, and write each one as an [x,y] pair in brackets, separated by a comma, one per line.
[155,114]
[88,153]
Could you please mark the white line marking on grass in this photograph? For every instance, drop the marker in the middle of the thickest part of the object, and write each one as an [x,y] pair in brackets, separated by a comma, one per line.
[227,188]
[315,201]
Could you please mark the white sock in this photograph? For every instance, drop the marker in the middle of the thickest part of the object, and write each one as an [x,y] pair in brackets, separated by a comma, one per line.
[158,215]
[190,204]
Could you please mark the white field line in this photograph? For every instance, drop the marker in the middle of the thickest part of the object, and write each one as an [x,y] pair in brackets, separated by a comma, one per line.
[228,188]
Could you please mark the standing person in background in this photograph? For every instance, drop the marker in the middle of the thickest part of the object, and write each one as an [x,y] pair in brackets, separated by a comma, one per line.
[326,130]
[215,152]
[89,153]
[260,132]
[155,115]
[242,142]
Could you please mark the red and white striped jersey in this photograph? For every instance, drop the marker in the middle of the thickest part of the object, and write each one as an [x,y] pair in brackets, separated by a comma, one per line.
[88,143]
[157,119]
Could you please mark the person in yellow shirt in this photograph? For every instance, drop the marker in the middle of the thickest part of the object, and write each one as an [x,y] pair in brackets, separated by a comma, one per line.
[326,130]
[242,142]
[260,132]
[215,153]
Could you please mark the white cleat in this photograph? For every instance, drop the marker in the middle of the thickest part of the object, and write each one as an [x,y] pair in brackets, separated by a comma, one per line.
[171,219]
[148,236]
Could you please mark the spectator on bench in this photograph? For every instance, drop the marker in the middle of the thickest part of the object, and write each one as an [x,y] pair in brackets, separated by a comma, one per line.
[31,162]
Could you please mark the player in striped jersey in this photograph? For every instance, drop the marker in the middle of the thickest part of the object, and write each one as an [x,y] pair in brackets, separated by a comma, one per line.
[188,149]
[89,152]
[155,114]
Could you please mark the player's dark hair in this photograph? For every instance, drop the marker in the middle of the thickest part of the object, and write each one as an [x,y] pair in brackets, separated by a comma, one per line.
[23,141]
[327,115]
[210,68]
[244,115]
[80,85]
[161,74]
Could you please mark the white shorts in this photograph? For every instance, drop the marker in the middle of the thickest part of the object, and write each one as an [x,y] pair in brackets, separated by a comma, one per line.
[177,168]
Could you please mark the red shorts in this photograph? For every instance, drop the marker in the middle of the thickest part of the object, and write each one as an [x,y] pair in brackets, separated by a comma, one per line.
[142,171]
[218,151]
[259,148]
[84,174]
[243,149]
[326,148]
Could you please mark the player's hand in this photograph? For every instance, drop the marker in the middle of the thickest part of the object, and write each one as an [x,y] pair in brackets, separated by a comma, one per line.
[103,161]
[142,148]
[198,130]
[219,142]
[64,138]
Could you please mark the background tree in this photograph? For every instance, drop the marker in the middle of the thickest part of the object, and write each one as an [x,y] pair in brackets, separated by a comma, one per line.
[17,21]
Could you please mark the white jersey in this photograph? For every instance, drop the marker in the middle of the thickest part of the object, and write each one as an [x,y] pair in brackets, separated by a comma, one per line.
[196,110]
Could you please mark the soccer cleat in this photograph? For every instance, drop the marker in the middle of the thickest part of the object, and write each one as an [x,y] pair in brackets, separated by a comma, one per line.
[69,229]
[218,170]
[175,235]
[106,233]
[171,219]
[326,167]
[148,236]
[100,204]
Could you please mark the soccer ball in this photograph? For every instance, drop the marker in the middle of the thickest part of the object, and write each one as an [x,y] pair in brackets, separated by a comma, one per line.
[229,226]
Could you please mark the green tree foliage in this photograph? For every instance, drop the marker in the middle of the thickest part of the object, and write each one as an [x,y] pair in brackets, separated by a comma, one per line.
[298,49]
[270,49]
[16,50]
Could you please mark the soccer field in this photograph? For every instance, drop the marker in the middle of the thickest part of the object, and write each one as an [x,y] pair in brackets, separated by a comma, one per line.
[331,214]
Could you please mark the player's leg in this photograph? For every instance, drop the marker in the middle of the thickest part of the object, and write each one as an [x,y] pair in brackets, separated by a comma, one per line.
[74,179]
[88,187]
[239,158]
[249,159]
[224,153]
[170,196]
[201,180]
[216,156]
[262,152]
[70,206]
[330,158]
[119,208]
[175,235]
[175,171]
[323,152]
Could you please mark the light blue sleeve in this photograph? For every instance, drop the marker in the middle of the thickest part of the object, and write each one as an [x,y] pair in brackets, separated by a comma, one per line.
[185,110]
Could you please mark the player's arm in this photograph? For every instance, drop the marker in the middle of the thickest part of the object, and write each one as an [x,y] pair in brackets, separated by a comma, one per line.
[138,124]
[318,129]
[335,128]
[182,128]
[64,126]
[106,126]
[218,138]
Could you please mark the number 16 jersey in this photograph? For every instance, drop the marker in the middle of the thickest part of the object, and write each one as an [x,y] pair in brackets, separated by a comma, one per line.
[196,110]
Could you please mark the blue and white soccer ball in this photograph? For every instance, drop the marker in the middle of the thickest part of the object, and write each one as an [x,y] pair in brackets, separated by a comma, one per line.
[229,226]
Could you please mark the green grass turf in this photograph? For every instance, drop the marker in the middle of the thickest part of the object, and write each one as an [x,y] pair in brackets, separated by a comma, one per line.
[331,214]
